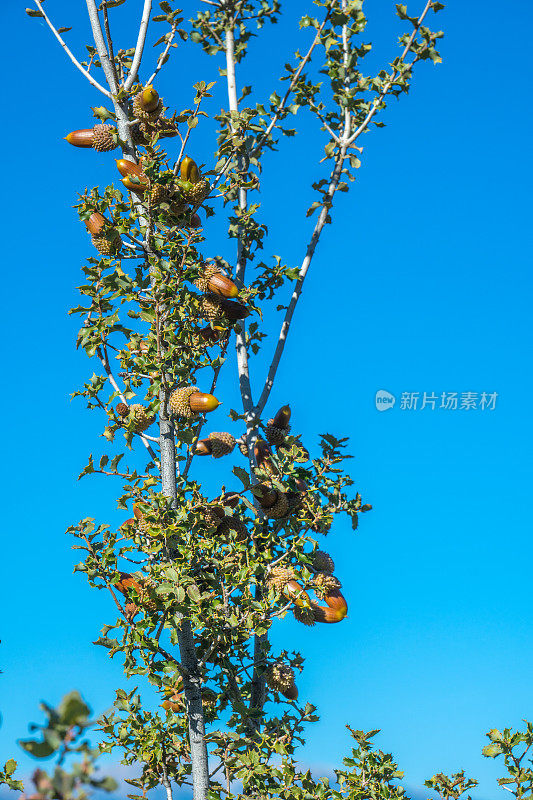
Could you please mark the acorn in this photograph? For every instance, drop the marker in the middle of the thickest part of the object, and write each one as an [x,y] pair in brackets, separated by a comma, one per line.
[278,577]
[127,582]
[262,455]
[323,562]
[293,591]
[280,678]
[233,310]
[221,443]
[95,223]
[336,611]
[195,222]
[140,417]
[102,138]
[188,401]
[195,193]
[324,584]
[214,281]
[278,427]
[147,104]
[304,615]
[214,334]
[108,243]
[122,409]
[189,170]
[235,524]
[273,502]
[203,448]
[213,516]
[129,168]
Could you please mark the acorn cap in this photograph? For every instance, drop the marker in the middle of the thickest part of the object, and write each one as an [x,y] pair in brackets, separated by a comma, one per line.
[323,562]
[104,138]
[178,402]
[222,443]
[280,677]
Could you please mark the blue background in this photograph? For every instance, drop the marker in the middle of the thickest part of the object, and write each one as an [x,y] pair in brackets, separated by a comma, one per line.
[423,284]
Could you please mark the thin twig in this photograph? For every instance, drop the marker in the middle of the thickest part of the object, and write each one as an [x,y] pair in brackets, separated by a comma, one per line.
[69,53]
[326,204]
[102,355]
[377,102]
[162,58]
[109,41]
[292,84]
[136,63]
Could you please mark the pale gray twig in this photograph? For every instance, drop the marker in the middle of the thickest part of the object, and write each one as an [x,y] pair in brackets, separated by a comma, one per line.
[141,39]
[69,53]
[162,58]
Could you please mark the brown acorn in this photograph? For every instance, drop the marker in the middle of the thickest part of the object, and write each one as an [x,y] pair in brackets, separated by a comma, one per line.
[133,186]
[212,280]
[222,443]
[188,401]
[203,447]
[128,168]
[81,138]
[203,403]
[195,222]
[95,223]
[233,310]
[278,427]
[101,137]
[263,456]
[280,678]
[336,610]
[122,409]
[214,334]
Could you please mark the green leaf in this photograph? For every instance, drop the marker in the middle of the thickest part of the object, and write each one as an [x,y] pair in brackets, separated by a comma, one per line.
[73,710]
[492,750]
[37,749]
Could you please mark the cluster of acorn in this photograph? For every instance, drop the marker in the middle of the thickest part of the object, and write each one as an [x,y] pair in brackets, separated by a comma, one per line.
[325,585]
[147,109]
[189,188]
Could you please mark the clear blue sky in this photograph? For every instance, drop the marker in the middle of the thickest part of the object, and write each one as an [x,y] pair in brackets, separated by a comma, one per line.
[424,284]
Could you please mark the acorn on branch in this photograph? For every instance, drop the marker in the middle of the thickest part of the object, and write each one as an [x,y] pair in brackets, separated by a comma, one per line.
[219,309]
[263,456]
[102,138]
[273,502]
[104,237]
[147,105]
[216,445]
[212,335]
[280,678]
[188,402]
[136,415]
[278,578]
[214,281]
[235,524]
[324,583]
[323,562]
[278,427]
[193,187]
